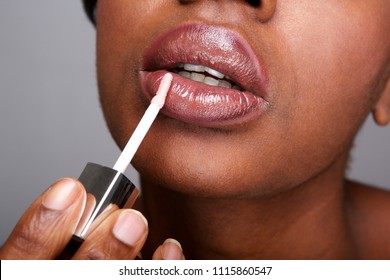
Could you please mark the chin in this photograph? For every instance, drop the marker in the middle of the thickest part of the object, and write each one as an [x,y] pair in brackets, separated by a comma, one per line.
[219,179]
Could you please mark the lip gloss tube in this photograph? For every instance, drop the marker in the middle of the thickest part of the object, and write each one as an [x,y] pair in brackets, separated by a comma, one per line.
[105,185]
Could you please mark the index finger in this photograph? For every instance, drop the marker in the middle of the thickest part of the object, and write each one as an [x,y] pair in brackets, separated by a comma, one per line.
[47,225]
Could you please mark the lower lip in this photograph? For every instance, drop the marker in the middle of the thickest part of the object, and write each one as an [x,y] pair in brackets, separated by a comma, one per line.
[204,105]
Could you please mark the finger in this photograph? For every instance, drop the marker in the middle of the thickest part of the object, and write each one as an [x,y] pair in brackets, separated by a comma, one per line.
[170,250]
[119,236]
[47,225]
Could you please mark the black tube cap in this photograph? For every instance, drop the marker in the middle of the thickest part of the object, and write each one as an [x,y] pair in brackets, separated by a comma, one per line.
[105,186]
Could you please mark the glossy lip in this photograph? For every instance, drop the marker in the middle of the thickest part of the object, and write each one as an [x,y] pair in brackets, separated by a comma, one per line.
[197,103]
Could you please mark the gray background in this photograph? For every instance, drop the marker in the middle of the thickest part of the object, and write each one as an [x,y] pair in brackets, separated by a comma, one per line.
[50,120]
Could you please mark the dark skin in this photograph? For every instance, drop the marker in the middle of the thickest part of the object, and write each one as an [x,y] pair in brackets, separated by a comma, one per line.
[274,187]
[255,190]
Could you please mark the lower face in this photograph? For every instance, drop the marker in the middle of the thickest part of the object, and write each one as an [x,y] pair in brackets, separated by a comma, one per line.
[317,68]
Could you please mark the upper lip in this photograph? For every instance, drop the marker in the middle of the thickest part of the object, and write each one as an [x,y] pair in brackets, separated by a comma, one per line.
[213,46]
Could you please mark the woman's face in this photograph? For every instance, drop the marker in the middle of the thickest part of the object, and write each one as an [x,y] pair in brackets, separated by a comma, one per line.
[307,75]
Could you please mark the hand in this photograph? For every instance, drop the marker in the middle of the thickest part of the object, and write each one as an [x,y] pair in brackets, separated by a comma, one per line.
[48,225]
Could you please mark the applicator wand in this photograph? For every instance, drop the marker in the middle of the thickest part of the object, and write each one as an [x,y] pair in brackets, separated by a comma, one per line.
[106,186]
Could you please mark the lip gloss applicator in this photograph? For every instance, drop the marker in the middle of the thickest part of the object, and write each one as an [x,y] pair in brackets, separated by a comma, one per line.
[106,186]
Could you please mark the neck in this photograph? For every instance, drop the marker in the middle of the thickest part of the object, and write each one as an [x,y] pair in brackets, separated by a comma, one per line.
[307,222]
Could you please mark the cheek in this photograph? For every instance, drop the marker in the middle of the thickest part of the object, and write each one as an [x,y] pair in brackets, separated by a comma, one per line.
[119,51]
[335,55]
[124,30]
[335,49]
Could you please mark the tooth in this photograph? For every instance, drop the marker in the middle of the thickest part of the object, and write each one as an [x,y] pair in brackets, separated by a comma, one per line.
[214,72]
[185,74]
[197,77]
[210,81]
[224,84]
[194,68]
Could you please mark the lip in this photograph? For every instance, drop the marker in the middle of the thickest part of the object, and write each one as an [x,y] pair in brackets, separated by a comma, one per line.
[197,103]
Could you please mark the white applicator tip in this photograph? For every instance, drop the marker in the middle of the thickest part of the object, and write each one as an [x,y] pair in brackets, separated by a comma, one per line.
[148,118]
[161,95]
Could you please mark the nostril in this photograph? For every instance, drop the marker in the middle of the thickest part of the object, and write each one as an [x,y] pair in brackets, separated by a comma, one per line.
[265,9]
[254,3]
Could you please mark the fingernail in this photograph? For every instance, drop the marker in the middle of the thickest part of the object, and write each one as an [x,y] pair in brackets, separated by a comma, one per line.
[130,227]
[172,250]
[61,195]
